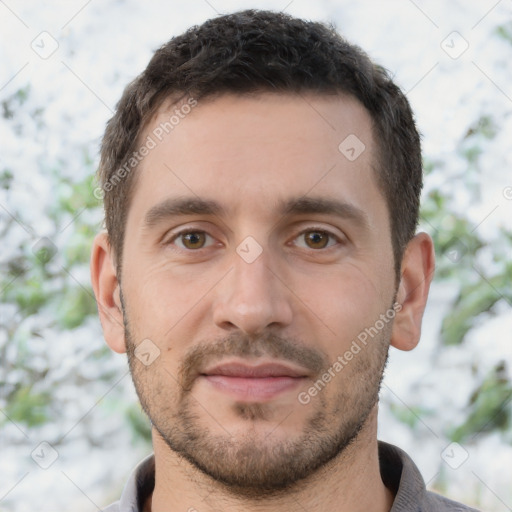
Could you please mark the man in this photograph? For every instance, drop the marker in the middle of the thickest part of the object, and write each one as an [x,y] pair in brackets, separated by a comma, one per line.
[261,183]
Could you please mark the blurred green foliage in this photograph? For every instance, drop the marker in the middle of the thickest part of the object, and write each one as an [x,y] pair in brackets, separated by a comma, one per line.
[458,245]
[28,406]
[41,279]
[474,299]
[139,422]
[505,31]
[410,416]
[489,408]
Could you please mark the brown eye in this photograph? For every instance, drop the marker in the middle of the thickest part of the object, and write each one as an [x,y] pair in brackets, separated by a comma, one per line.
[192,239]
[316,239]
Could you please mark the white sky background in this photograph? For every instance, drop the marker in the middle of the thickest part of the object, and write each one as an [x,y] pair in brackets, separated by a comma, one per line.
[104,44]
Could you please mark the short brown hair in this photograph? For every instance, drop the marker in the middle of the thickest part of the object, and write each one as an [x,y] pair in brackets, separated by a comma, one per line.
[253,51]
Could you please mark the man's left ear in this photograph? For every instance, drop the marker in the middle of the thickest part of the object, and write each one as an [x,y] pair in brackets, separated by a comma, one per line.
[417,271]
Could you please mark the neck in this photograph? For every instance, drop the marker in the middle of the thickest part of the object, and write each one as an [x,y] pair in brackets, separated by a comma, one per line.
[350,482]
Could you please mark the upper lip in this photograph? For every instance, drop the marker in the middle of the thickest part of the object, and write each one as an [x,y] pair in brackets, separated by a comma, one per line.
[261,370]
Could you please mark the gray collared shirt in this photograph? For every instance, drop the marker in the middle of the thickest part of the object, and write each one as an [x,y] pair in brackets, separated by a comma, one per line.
[399,473]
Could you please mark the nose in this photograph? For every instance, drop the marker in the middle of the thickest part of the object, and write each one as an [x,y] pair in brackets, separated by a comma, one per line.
[252,298]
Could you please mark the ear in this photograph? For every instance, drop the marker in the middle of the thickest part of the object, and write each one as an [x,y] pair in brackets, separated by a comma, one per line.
[107,292]
[417,271]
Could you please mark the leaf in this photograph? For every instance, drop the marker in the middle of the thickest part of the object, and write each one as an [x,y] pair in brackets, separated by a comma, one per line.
[408,415]
[28,407]
[473,300]
[505,32]
[490,406]
[76,304]
[139,422]
[30,296]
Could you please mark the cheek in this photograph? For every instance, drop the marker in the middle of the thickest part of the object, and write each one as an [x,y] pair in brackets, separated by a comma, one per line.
[341,303]
[164,299]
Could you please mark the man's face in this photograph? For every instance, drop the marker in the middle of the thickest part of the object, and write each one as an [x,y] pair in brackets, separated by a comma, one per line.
[256,251]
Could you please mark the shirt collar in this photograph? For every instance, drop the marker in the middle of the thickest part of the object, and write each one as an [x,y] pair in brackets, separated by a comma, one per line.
[399,474]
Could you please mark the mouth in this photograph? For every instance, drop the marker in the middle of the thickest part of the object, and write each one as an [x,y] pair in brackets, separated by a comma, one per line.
[259,382]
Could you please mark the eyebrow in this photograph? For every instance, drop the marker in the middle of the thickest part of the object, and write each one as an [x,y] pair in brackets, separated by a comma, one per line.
[322,205]
[182,206]
[173,207]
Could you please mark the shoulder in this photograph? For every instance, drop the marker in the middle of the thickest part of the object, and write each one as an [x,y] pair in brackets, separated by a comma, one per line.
[440,503]
[403,478]
[139,486]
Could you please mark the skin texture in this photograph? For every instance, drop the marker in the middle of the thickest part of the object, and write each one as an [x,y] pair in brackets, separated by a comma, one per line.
[299,291]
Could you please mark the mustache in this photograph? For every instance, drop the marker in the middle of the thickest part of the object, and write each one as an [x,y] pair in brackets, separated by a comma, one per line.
[243,346]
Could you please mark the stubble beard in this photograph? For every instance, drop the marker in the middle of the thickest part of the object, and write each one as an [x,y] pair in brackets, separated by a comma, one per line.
[256,465]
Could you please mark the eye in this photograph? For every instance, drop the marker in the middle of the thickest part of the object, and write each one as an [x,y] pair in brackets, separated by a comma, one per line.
[192,240]
[316,239]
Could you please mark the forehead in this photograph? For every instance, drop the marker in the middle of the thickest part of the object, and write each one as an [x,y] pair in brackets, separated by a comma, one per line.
[253,151]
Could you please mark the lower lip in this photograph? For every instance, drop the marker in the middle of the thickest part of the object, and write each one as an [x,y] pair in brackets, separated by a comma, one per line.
[253,389]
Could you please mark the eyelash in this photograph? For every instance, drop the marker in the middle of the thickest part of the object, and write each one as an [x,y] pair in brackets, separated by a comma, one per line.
[177,235]
[312,229]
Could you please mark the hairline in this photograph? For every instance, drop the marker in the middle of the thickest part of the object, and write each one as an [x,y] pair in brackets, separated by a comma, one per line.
[164,102]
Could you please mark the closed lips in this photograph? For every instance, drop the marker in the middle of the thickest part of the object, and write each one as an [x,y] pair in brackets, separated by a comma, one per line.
[255,372]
